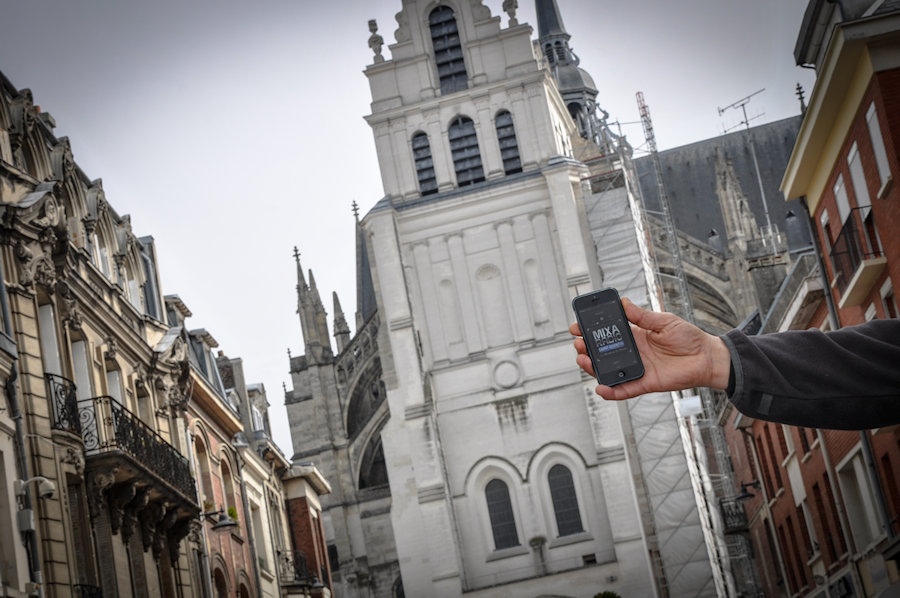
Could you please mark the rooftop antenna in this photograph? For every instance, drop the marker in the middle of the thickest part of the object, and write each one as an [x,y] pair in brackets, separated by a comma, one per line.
[742,104]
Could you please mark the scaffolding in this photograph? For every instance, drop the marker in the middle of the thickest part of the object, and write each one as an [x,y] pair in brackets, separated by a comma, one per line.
[703,437]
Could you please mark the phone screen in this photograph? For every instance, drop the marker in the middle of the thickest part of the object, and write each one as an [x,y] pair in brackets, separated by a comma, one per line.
[608,336]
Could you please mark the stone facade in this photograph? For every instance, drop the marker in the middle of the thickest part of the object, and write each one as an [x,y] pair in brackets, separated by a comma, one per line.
[108,396]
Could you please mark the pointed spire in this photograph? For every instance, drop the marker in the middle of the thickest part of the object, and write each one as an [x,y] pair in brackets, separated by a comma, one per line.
[341,329]
[549,20]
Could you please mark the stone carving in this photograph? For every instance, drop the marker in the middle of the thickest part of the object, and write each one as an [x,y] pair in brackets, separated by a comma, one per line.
[119,496]
[178,531]
[150,518]
[70,312]
[375,41]
[75,458]
[402,32]
[34,269]
[98,484]
[162,531]
[509,7]
[112,349]
[131,509]
[480,12]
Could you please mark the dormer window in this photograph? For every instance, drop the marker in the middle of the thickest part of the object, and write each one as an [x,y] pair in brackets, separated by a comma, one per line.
[424,164]
[509,147]
[448,54]
[466,156]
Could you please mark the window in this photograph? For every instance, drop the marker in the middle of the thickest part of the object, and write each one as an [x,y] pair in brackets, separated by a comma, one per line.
[49,346]
[448,54]
[464,148]
[509,148]
[204,475]
[424,164]
[82,370]
[857,178]
[565,502]
[500,511]
[859,500]
[840,197]
[810,541]
[881,161]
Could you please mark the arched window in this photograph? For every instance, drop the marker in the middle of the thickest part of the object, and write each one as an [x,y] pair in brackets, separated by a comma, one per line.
[500,511]
[565,503]
[424,164]
[509,148]
[205,478]
[448,54]
[464,147]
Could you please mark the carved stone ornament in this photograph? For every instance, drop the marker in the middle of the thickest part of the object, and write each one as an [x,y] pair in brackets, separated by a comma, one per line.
[402,32]
[112,349]
[98,484]
[35,265]
[479,10]
[177,533]
[162,530]
[75,458]
[509,7]
[70,312]
[150,518]
[131,510]
[195,532]
[375,41]
[119,496]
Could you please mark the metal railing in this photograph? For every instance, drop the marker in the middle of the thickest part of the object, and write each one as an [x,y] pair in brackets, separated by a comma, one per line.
[293,567]
[733,515]
[857,241]
[107,426]
[83,590]
[64,404]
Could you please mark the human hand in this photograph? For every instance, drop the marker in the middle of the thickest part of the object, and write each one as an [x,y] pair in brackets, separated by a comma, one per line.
[676,355]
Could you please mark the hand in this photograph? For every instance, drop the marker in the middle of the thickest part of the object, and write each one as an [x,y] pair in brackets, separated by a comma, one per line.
[676,355]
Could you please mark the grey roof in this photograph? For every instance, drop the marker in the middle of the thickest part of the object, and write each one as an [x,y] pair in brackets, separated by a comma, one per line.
[689,173]
[548,18]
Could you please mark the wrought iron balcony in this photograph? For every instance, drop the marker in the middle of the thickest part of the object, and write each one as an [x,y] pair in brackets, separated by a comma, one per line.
[83,590]
[64,404]
[733,515]
[108,427]
[857,257]
[293,568]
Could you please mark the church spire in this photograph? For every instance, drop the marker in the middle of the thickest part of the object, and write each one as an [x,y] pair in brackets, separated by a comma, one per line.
[312,317]
[552,34]
[341,329]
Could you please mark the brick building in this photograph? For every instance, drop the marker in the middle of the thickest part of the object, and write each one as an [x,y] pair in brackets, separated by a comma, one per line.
[823,506]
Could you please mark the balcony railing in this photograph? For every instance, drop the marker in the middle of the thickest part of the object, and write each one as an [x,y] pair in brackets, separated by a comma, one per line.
[83,590]
[64,404]
[293,566]
[107,426]
[856,246]
[733,515]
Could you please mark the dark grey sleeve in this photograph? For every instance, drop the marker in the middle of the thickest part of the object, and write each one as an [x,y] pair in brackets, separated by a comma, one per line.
[847,379]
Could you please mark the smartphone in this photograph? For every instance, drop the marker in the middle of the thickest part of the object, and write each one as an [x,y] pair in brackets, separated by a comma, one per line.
[608,338]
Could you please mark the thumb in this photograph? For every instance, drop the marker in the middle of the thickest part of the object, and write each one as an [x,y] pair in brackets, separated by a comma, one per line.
[644,318]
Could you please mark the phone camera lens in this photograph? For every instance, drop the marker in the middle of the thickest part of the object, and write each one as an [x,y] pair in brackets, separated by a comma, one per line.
[621,374]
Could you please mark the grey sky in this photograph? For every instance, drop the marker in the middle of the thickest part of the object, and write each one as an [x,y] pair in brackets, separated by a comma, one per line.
[232,131]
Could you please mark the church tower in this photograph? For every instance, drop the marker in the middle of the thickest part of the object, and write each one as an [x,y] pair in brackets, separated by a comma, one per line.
[508,476]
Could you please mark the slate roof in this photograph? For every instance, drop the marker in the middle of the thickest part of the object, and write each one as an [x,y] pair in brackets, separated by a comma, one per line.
[689,173]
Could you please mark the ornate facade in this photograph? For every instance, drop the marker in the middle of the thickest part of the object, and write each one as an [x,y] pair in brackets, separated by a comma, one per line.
[121,449]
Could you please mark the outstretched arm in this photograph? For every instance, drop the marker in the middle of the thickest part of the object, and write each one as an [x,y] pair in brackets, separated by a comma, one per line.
[676,355]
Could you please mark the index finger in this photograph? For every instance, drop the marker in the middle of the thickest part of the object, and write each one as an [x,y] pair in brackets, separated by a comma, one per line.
[575,329]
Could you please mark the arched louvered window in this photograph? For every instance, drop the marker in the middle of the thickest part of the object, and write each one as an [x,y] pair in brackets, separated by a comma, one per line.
[464,148]
[448,54]
[424,164]
[565,503]
[509,147]
[500,511]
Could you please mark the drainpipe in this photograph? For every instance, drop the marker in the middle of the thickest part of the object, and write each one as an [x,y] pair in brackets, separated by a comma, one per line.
[34,559]
[770,524]
[864,439]
[250,534]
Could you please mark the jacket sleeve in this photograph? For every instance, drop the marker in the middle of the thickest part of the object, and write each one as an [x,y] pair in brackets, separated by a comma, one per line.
[847,379]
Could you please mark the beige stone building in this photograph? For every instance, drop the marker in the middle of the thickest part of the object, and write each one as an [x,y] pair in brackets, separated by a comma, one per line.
[132,461]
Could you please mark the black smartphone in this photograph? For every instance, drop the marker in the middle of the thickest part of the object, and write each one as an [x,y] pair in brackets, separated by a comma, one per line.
[608,337]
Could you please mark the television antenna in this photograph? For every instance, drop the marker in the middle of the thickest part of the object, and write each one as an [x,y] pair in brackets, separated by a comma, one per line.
[742,104]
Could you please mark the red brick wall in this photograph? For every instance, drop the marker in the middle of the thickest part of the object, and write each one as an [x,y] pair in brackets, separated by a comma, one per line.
[308,535]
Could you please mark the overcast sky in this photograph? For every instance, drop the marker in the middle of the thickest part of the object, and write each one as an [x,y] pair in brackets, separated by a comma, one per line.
[233,131]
